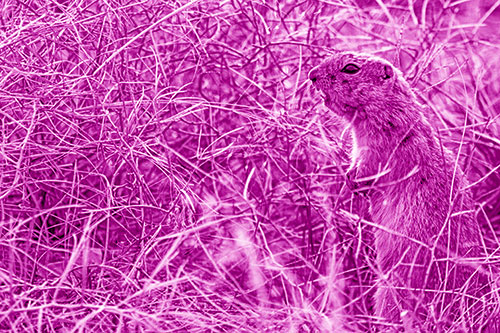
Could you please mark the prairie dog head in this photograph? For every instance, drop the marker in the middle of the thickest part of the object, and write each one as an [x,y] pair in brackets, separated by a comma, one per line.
[357,82]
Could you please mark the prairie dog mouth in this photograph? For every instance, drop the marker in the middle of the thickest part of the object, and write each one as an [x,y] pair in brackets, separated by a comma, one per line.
[318,89]
[315,87]
[326,97]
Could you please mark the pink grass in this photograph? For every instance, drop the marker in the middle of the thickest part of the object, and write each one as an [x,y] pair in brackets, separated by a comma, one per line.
[164,166]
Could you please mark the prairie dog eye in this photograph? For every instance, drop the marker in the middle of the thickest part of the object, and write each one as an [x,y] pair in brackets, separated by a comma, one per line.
[350,69]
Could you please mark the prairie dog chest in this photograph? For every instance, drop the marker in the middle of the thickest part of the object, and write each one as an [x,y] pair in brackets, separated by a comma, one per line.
[355,155]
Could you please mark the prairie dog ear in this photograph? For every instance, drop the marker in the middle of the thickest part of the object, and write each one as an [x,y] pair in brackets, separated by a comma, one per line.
[388,72]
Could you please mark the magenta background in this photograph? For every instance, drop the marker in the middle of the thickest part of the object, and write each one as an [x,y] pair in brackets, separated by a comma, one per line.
[165,167]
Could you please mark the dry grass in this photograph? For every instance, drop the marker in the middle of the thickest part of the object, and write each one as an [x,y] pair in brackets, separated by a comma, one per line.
[164,166]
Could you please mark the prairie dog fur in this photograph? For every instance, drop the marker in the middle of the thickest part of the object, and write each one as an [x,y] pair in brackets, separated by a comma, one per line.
[428,245]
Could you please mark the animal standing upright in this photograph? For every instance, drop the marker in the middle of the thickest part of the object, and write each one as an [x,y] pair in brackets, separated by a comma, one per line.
[427,242]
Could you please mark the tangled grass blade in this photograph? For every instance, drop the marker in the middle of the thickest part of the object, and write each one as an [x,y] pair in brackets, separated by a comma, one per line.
[165,166]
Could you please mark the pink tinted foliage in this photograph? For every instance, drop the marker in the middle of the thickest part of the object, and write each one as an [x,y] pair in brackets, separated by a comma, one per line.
[165,167]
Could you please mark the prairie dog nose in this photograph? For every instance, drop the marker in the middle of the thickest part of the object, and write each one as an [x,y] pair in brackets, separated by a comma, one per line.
[313,75]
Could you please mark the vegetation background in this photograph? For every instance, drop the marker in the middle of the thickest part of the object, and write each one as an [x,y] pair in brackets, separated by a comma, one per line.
[166,168]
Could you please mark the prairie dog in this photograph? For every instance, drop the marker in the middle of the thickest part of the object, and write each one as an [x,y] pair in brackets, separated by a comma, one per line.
[428,242]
